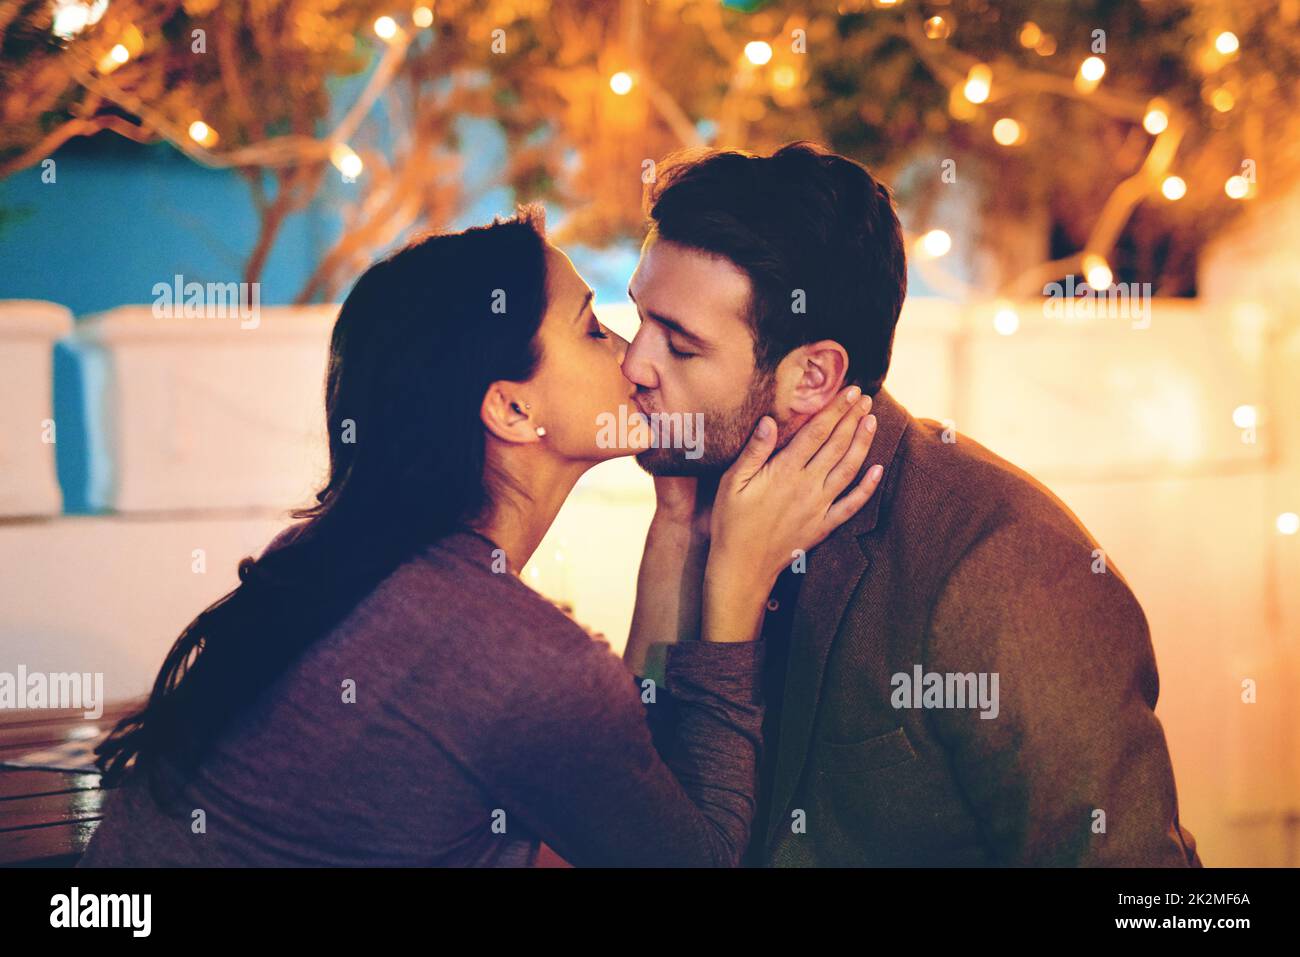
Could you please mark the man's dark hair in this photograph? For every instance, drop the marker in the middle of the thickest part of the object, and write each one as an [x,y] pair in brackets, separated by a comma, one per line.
[805,219]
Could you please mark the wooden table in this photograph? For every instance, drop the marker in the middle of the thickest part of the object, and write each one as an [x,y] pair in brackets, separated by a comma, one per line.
[47,817]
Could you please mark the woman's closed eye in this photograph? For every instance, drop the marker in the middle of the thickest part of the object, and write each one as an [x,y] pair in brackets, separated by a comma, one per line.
[597,331]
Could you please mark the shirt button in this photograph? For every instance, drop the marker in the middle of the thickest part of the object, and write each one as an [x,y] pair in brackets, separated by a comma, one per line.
[773,604]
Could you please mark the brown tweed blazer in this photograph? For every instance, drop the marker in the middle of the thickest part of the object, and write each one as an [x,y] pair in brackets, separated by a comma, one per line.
[962,564]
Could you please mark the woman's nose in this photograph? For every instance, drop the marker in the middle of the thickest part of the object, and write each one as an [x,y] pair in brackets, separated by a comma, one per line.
[620,346]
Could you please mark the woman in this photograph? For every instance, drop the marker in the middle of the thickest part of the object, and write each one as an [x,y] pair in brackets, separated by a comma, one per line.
[382,689]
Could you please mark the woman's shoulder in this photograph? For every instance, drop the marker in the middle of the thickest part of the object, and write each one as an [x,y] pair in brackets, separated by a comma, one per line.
[461,582]
[500,634]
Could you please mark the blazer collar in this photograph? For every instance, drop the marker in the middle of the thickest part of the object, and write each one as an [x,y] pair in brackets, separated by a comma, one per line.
[892,420]
[835,568]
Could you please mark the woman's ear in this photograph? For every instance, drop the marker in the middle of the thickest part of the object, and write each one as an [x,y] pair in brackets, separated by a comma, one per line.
[812,376]
[504,414]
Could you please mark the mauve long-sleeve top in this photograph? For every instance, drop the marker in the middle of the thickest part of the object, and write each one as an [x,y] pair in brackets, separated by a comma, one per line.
[485,721]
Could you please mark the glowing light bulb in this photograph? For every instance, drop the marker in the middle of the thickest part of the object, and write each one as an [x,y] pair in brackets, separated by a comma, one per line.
[1236,187]
[346,160]
[386,28]
[1157,119]
[979,82]
[758,52]
[936,243]
[1222,99]
[937,28]
[1006,321]
[1007,132]
[422,17]
[73,16]
[1288,523]
[1097,271]
[1226,43]
[120,53]
[1092,69]
[1030,35]
[1245,417]
[621,83]
[1174,187]
[201,133]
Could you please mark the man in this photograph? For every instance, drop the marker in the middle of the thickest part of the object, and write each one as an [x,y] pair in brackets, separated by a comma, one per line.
[951,679]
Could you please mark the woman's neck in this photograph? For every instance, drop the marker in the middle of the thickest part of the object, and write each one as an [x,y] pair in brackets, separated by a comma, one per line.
[529,502]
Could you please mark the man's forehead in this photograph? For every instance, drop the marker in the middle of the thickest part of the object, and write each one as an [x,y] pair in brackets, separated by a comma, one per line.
[673,277]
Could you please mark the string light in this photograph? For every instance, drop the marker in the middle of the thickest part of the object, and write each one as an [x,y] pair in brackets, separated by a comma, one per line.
[386,28]
[346,160]
[936,243]
[1097,271]
[1090,73]
[202,134]
[72,17]
[1288,523]
[1236,187]
[758,52]
[979,82]
[1007,132]
[1006,321]
[784,77]
[113,59]
[1244,417]
[1226,43]
[1046,46]
[422,17]
[937,28]
[1030,35]
[1156,120]
[1174,187]
[1223,100]
[621,83]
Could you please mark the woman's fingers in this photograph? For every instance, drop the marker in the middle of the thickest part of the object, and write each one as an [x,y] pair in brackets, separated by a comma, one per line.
[813,433]
[850,504]
[850,463]
[841,438]
[755,453]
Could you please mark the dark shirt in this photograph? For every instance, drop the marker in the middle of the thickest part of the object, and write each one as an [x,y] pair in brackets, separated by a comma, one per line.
[777,625]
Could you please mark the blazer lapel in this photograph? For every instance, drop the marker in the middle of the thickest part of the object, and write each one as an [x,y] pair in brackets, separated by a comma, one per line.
[835,569]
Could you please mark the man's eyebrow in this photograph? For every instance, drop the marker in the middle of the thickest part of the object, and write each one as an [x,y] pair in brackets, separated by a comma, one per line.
[672,324]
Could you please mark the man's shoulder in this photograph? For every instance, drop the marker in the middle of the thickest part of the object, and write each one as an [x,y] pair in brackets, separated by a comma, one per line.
[948,476]
[996,530]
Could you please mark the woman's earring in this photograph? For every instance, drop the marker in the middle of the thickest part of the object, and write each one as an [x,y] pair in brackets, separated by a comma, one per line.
[541,429]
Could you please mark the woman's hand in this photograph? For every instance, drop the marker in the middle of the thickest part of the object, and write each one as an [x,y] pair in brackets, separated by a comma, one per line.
[769,506]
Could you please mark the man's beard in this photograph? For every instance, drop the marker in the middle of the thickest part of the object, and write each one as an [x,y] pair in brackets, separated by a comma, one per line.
[725,433]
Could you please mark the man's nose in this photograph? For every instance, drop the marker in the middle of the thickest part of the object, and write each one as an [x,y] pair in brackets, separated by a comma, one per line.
[636,368]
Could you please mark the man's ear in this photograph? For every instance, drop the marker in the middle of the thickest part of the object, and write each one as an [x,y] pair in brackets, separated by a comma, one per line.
[810,376]
[500,417]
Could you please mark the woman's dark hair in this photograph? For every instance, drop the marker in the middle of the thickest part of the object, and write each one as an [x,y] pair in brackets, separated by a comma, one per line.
[417,342]
[801,221]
